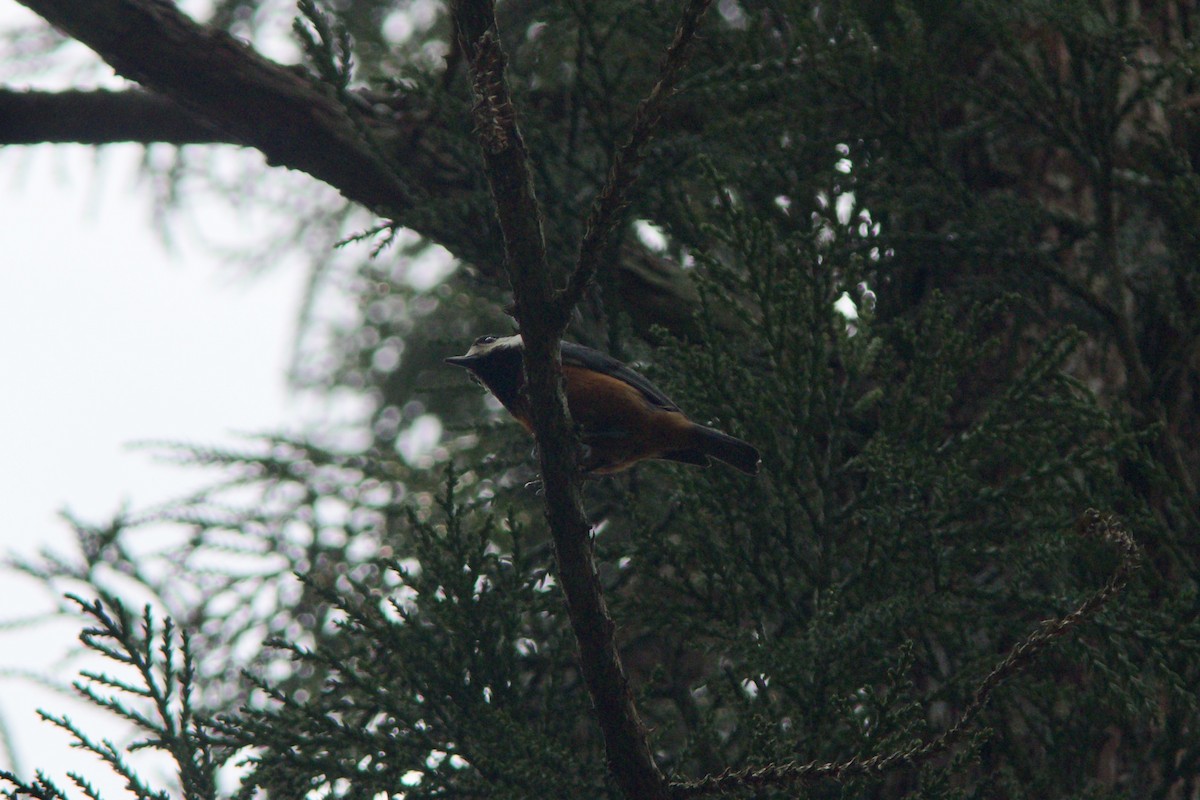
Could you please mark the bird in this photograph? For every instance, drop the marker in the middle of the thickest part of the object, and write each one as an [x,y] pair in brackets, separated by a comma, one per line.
[622,417]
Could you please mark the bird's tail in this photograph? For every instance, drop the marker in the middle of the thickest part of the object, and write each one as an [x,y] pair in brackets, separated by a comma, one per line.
[724,447]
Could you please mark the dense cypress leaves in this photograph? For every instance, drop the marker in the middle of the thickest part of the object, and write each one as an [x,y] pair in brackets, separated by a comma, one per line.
[935,261]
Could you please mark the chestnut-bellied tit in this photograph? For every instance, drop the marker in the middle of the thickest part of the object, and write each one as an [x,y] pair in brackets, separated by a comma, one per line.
[622,418]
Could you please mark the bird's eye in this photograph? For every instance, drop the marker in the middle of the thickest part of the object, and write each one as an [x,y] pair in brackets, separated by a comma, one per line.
[485,340]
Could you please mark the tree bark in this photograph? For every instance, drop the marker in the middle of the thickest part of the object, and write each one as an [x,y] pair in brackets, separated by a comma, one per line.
[100,117]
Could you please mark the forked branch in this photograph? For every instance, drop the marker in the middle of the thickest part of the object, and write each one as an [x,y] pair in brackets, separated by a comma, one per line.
[507,165]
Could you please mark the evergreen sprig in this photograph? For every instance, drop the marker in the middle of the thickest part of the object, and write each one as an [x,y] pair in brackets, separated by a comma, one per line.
[433,677]
[158,700]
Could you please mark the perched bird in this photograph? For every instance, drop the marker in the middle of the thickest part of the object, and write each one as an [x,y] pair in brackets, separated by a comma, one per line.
[622,417]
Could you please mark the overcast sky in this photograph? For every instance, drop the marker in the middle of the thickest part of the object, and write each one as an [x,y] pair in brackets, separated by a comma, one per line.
[108,339]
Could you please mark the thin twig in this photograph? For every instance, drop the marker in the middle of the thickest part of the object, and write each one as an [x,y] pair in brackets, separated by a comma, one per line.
[606,209]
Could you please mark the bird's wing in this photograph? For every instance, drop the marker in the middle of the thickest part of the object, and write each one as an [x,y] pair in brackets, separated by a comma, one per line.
[588,358]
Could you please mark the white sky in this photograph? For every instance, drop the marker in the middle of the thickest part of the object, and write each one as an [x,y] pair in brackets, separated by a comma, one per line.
[108,339]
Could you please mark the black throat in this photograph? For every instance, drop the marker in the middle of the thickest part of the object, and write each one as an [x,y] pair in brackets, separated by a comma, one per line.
[502,372]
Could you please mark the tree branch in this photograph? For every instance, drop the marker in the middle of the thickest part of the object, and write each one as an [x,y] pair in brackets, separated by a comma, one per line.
[100,117]
[252,100]
[232,94]
[629,757]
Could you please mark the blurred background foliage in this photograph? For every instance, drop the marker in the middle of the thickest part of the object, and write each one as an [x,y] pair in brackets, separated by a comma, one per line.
[938,263]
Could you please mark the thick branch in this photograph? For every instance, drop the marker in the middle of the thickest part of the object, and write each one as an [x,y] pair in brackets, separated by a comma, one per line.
[100,117]
[251,99]
[630,760]
[234,95]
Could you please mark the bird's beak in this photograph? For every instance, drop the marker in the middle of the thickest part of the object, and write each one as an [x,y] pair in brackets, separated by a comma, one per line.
[461,361]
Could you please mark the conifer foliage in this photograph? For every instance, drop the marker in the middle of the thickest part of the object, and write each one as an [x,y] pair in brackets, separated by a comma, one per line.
[936,261]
